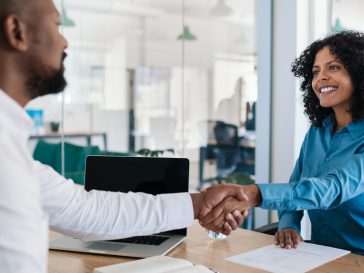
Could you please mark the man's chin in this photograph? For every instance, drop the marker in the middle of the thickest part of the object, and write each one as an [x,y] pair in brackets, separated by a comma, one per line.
[54,84]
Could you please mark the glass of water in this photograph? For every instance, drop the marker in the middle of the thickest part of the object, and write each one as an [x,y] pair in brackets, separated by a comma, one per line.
[215,235]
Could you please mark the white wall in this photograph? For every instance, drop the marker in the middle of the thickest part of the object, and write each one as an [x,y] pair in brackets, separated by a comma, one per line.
[283,90]
[263,122]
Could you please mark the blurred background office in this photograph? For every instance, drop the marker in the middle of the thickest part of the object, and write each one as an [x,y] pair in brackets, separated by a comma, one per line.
[208,80]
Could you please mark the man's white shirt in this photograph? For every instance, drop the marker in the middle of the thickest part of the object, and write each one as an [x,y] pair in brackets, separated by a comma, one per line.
[33,197]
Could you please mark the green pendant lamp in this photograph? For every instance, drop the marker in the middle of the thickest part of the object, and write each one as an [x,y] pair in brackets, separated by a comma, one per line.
[338,27]
[66,21]
[187,35]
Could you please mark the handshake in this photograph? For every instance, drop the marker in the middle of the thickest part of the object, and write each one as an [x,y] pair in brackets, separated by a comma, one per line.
[222,208]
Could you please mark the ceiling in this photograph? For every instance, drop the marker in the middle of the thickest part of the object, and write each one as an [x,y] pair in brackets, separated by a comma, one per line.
[241,8]
[100,21]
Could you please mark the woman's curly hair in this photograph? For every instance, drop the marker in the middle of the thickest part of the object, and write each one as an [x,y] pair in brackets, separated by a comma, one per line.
[348,47]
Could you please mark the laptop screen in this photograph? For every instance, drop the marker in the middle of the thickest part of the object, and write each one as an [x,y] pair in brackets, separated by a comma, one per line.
[137,174]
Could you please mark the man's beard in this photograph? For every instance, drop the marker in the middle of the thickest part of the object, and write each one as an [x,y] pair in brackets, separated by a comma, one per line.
[45,80]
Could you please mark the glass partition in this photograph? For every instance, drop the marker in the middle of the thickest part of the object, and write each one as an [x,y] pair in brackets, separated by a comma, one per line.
[220,90]
[172,78]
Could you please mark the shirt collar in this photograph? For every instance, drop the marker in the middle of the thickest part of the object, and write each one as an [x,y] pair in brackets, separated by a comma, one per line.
[14,113]
[356,129]
[329,121]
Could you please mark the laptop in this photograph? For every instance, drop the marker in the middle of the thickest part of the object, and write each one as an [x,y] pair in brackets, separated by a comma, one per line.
[137,174]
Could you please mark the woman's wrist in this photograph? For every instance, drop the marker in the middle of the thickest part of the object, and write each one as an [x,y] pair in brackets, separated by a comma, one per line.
[254,195]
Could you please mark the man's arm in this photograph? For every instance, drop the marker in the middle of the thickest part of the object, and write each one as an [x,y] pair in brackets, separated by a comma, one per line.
[98,215]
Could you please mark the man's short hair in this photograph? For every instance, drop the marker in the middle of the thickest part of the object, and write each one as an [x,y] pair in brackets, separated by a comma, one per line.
[11,6]
[18,7]
[8,7]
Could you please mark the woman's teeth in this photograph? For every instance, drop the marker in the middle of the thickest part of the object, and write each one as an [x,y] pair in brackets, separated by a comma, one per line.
[327,89]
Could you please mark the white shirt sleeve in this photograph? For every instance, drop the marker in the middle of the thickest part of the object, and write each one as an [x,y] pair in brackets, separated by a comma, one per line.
[23,224]
[98,215]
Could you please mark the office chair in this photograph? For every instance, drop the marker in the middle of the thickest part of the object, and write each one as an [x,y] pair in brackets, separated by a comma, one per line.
[226,150]
[270,229]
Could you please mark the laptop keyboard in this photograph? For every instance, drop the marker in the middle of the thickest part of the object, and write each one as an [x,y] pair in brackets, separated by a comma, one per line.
[143,240]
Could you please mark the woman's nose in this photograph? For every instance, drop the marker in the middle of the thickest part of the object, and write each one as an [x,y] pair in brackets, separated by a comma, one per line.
[323,76]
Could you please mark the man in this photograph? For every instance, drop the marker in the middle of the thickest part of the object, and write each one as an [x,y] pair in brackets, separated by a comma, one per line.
[33,196]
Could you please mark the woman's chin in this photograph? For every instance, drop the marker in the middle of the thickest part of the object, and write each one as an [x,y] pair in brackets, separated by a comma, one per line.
[325,104]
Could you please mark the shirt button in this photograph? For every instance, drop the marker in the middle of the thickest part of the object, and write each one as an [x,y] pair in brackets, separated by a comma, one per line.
[328,158]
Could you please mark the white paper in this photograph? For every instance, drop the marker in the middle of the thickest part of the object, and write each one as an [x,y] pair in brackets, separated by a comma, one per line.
[279,260]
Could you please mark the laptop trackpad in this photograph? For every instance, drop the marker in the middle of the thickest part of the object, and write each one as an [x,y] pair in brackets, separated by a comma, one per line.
[105,246]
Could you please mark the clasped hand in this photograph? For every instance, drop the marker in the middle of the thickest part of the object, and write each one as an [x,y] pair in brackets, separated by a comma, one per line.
[222,208]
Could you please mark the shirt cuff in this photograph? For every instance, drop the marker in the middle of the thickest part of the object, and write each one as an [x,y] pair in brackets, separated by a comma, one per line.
[290,220]
[178,207]
[276,196]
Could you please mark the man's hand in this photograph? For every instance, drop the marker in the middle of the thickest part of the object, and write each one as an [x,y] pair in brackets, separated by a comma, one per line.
[215,220]
[209,198]
[288,238]
[216,194]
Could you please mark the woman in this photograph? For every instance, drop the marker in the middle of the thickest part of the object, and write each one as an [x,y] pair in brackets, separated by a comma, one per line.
[328,178]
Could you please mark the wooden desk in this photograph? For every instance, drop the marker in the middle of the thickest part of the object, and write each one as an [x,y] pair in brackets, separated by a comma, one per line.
[199,249]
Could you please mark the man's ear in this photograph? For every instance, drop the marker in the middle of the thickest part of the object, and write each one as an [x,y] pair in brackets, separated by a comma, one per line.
[15,33]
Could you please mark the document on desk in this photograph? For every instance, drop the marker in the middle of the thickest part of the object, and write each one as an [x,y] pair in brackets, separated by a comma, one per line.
[279,260]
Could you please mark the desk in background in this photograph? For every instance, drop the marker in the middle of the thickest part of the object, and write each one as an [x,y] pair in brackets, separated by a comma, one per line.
[84,135]
[199,249]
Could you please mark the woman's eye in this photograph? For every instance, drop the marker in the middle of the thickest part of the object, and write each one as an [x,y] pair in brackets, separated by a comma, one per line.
[315,73]
[334,67]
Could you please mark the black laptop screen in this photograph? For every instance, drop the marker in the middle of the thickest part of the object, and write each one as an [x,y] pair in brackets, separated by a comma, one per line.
[137,174]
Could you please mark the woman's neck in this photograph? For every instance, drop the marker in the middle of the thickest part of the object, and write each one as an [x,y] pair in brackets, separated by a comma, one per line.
[343,118]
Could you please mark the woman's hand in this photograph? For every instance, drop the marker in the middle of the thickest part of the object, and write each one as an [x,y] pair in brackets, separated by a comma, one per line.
[288,238]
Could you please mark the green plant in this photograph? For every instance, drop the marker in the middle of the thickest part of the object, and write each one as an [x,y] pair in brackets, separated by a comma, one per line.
[154,153]
[239,178]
